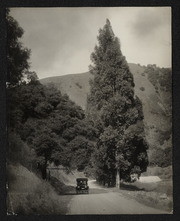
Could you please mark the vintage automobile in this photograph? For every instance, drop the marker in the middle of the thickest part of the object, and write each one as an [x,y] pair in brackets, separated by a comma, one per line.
[82,185]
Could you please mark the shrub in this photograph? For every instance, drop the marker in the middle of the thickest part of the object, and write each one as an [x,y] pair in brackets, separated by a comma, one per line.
[142,88]
[77,84]
[20,152]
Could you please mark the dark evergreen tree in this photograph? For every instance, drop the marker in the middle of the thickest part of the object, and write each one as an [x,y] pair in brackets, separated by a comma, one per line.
[17,54]
[113,108]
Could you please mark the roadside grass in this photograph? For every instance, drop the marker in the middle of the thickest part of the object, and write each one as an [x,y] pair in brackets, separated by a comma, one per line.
[28,194]
[157,195]
[61,188]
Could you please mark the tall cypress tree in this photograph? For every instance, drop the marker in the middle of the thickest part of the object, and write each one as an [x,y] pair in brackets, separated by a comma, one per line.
[116,112]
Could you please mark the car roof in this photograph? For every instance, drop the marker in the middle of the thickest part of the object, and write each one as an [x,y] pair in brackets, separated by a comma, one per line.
[82,179]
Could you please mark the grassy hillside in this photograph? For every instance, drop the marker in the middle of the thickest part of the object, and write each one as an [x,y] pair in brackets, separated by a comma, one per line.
[76,86]
[157,122]
[29,194]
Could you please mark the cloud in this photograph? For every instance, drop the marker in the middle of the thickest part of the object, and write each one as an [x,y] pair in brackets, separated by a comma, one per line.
[57,36]
[62,39]
[52,35]
[149,21]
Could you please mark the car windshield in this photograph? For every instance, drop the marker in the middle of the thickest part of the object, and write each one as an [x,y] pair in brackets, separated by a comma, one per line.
[80,182]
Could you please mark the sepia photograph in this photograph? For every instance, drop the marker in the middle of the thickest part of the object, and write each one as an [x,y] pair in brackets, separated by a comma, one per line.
[89,111]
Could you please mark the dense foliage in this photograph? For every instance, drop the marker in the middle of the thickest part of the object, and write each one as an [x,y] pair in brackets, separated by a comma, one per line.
[51,124]
[115,113]
[161,78]
[17,54]
[160,133]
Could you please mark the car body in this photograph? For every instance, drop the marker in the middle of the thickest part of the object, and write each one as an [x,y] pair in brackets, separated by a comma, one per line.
[82,185]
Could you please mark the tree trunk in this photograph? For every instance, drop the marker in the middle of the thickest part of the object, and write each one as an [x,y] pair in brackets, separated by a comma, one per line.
[43,171]
[118,179]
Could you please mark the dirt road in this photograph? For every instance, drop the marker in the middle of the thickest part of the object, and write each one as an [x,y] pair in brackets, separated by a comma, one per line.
[105,201]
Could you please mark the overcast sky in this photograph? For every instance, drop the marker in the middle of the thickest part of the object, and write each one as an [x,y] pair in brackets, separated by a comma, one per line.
[62,39]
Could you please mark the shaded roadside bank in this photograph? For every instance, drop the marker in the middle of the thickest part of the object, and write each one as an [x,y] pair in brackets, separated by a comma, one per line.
[29,194]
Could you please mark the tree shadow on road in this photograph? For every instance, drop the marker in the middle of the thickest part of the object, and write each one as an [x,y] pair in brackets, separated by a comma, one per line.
[91,191]
[130,187]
